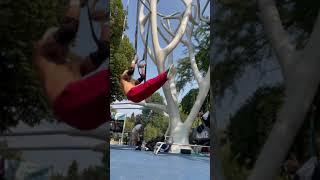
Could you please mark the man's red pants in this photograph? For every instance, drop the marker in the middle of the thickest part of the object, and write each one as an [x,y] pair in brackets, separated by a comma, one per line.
[145,90]
[84,104]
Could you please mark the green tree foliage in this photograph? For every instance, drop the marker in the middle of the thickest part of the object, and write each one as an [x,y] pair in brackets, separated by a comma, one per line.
[73,171]
[155,98]
[202,44]
[116,22]
[250,125]
[105,169]
[231,168]
[6,154]
[240,41]
[202,37]
[130,121]
[189,99]
[92,172]
[56,176]
[96,172]
[160,122]
[184,73]
[150,132]
[22,23]
[184,70]
[154,121]
[156,126]
[121,51]
[253,121]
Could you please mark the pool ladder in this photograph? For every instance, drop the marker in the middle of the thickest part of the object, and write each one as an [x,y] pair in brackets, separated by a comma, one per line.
[158,147]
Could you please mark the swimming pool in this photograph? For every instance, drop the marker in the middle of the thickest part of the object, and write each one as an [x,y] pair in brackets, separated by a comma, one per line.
[127,164]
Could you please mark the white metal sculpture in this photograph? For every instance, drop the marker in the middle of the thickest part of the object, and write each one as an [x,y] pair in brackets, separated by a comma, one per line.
[190,17]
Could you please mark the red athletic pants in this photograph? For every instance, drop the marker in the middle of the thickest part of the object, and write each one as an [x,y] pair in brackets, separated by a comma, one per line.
[145,90]
[84,104]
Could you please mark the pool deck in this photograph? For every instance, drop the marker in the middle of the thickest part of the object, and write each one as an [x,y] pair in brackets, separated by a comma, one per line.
[128,164]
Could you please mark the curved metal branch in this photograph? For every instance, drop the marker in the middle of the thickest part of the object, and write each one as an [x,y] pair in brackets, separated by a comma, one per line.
[163,36]
[193,64]
[194,19]
[168,29]
[188,43]
[147,105]
[201,14]
[161,53]
[172,82]
[176,15]
[203,91]
[139,108]
[159,14]
[180,30]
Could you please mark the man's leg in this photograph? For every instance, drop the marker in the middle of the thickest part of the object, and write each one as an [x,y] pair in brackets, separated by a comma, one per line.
[145,90]
[85,103]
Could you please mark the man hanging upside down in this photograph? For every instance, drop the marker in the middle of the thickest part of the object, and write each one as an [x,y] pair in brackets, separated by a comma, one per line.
[81,102]
[137,92]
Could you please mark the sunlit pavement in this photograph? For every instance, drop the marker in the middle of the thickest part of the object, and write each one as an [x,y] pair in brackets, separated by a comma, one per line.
[127,164]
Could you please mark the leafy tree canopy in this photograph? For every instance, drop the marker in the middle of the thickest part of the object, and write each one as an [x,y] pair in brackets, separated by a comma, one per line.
[189,99]
[240,41]
[22,23]
[121,51]
[251,124]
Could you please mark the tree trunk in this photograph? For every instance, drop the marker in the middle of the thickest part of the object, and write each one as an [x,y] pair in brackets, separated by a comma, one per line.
[178,131]
[180,135]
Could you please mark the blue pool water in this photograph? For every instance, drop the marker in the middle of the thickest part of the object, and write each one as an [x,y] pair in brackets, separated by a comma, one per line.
[127,164]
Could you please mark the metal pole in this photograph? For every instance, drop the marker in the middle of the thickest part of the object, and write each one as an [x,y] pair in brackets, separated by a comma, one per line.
[124,125]
[127,108]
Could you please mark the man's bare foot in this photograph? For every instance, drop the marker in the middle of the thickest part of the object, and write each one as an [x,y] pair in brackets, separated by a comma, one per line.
[171,72]
[134,61]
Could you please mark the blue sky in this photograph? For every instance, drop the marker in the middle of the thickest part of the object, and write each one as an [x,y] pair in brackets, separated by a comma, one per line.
[179,52]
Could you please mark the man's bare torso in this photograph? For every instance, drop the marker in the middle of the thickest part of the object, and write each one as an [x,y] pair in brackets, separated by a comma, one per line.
[55,77]
[127,82]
